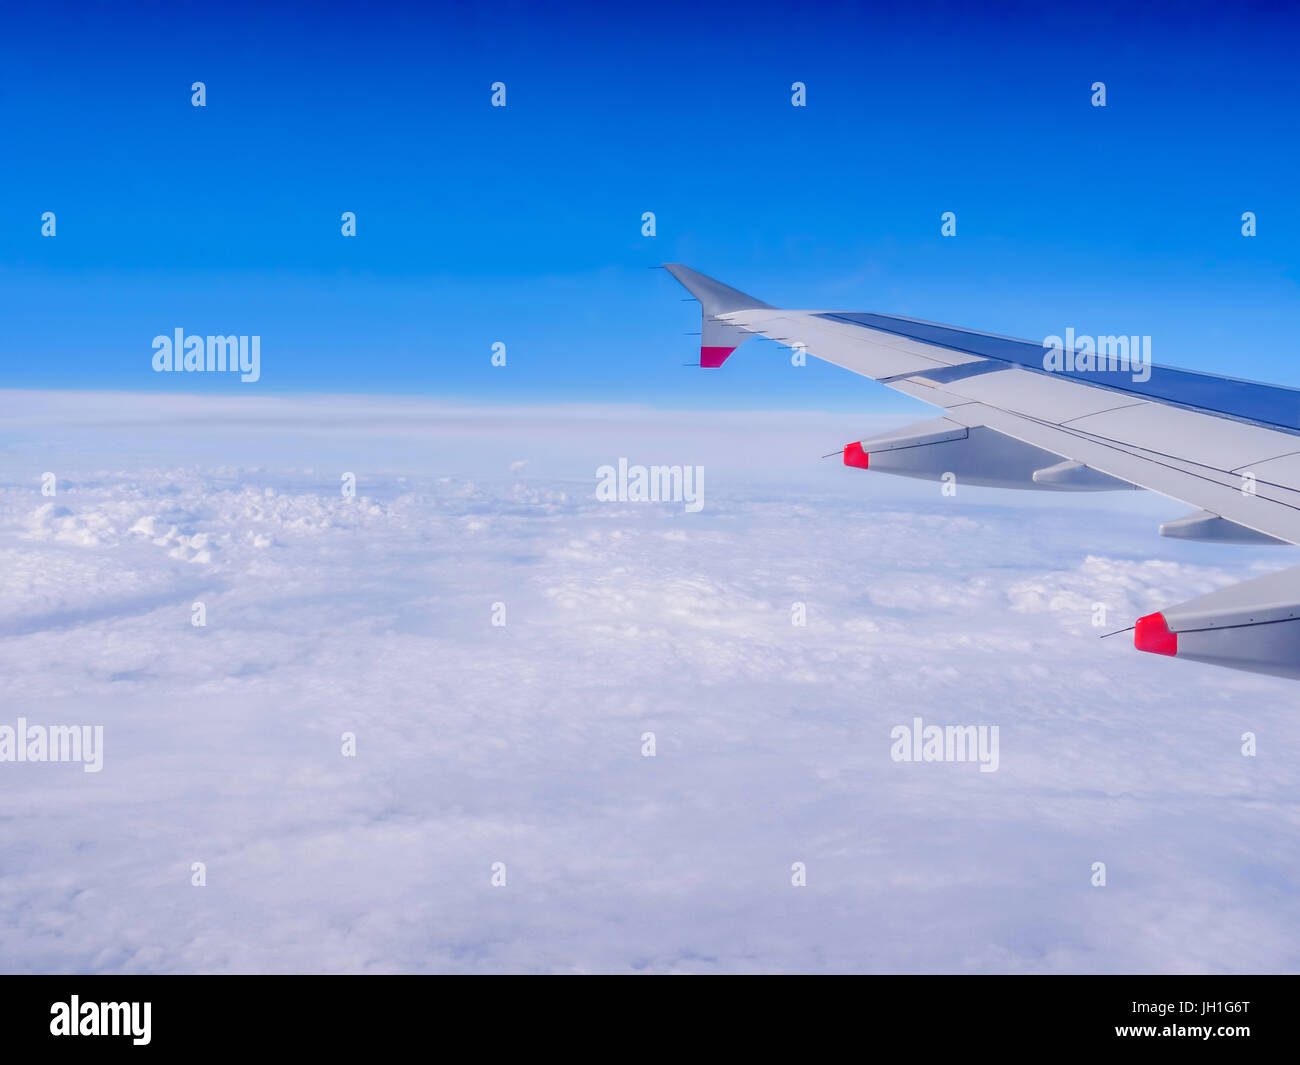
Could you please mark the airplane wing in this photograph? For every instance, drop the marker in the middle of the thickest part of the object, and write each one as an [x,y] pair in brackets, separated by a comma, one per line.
[1015,418]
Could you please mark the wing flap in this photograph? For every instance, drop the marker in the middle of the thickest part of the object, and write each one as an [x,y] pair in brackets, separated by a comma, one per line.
[1229,447]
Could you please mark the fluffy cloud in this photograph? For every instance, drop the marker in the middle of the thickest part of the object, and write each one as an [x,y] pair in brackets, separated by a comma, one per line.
[521,743]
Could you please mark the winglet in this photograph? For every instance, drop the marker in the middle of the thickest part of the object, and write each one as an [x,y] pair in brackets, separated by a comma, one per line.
[717,339]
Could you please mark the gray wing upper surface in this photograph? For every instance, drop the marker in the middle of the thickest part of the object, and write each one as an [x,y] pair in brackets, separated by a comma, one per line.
[1227,447]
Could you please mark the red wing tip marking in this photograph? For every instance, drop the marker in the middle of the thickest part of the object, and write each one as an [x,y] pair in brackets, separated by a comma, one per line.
[855,456]
[1151,633]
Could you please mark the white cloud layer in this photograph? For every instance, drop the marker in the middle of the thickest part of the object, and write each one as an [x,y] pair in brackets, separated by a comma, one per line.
[522,744]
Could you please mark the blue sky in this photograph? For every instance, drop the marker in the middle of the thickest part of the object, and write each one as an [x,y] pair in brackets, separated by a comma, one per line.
[522,225]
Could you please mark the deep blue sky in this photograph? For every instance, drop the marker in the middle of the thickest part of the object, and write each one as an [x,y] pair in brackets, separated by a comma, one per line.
[523,224]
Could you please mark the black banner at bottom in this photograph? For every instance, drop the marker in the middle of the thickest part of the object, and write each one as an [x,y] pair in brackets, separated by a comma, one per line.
[341,1014]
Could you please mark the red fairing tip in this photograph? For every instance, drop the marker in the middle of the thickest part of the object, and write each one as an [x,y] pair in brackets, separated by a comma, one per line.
[1151,633]
[855,456]
[712,358]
